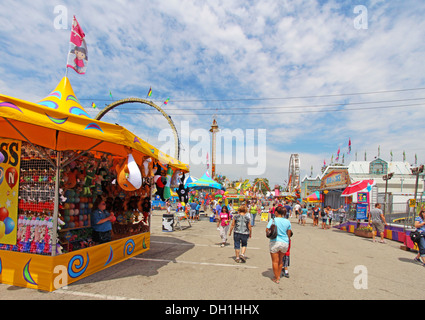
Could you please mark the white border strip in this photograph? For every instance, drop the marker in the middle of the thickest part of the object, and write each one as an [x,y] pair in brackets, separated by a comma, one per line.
[243,265]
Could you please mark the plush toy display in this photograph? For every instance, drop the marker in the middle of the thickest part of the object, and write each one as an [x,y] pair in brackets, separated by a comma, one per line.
[183,192]
[128,174]
[167,187]
[126,186]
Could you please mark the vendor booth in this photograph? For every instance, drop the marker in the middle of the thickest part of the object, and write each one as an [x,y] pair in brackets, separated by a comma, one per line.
[55,163]
[332,185]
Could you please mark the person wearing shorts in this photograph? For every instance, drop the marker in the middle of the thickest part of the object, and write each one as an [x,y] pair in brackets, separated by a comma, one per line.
[279,245]
[241,223]
[377,219]
[303,215]
[316,211]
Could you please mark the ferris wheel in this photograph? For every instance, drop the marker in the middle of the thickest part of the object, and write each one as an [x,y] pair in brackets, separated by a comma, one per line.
[294,173]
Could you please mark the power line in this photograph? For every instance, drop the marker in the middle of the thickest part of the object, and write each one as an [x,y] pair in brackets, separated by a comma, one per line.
[285,112]
[290,107]
[275,98]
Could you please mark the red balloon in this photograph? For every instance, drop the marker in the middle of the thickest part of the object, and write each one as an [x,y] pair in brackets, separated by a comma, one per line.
[11,177]
[4,213]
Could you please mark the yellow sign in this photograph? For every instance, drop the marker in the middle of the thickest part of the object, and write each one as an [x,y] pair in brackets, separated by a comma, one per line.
[10,158]
[412,203]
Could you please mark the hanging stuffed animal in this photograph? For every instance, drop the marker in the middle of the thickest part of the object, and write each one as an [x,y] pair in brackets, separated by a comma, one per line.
[183,192]
[147,171]
[160,182]
[129,176]
[167,187]
[175,179]
[70,178]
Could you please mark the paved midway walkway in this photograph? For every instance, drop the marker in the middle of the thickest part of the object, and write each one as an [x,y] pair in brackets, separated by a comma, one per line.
[190,264]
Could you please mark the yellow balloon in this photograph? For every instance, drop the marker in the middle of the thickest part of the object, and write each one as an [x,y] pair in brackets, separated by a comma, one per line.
[2,229]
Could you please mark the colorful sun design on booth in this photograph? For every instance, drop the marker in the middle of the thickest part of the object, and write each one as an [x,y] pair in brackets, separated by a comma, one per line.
[63,99]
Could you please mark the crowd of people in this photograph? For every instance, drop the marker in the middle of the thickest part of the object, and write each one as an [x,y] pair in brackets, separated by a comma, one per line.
[240,223]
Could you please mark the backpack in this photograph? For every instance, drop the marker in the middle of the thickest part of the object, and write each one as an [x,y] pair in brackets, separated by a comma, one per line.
[415,236]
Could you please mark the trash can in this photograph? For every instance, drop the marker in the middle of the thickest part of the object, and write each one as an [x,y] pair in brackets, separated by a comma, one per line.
[167,222]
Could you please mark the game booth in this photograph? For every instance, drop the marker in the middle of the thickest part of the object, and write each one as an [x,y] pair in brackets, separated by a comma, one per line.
[55,161]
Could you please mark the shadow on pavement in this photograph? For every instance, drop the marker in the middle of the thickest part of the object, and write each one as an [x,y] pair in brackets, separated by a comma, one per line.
[163,250]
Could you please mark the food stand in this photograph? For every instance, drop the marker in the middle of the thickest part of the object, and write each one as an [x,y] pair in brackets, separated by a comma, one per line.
[54,162]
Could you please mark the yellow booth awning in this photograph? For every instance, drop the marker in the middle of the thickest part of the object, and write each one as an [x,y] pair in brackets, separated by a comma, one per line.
[59,122]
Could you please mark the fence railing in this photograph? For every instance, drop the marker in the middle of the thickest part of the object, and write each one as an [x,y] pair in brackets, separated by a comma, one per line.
[397,213]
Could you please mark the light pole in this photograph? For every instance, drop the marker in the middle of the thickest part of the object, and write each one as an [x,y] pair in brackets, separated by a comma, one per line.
[417,171]
[386,178]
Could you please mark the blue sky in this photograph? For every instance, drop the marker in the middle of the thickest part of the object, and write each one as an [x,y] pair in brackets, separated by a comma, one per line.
[302,70]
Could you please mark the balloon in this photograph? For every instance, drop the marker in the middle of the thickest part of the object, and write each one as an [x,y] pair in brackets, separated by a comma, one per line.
[9,225]
[4,213]
[11,177]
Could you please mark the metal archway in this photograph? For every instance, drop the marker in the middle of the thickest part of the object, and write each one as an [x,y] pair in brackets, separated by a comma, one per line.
[294,173]
[149,103]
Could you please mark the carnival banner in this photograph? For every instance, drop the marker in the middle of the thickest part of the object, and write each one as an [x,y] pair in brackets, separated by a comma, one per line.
[10,157]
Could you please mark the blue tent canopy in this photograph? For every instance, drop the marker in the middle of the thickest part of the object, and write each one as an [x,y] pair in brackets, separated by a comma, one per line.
[189,179]
[205,182]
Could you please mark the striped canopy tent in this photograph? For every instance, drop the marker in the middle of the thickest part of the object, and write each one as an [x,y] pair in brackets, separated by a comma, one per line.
[189,179]
[60,122]
[205,182]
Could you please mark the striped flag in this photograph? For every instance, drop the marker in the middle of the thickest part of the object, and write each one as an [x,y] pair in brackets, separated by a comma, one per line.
[93,105]
[150,92]
[166,101]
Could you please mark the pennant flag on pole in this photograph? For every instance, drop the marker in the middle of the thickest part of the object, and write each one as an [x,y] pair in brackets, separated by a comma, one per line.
[77,56]
[404,156]
[93,105]
[150,92]
[337,154]
[208,163]
[166,101]
[349,145]
[391,154]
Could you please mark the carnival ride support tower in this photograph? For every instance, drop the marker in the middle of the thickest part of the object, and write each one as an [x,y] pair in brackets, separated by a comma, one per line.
[214,129]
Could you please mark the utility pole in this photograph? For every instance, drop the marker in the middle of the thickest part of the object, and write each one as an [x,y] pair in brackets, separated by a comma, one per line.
[417,171]
[386,178]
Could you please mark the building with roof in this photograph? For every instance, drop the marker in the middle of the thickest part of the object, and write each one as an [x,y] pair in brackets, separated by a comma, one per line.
[399,189]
